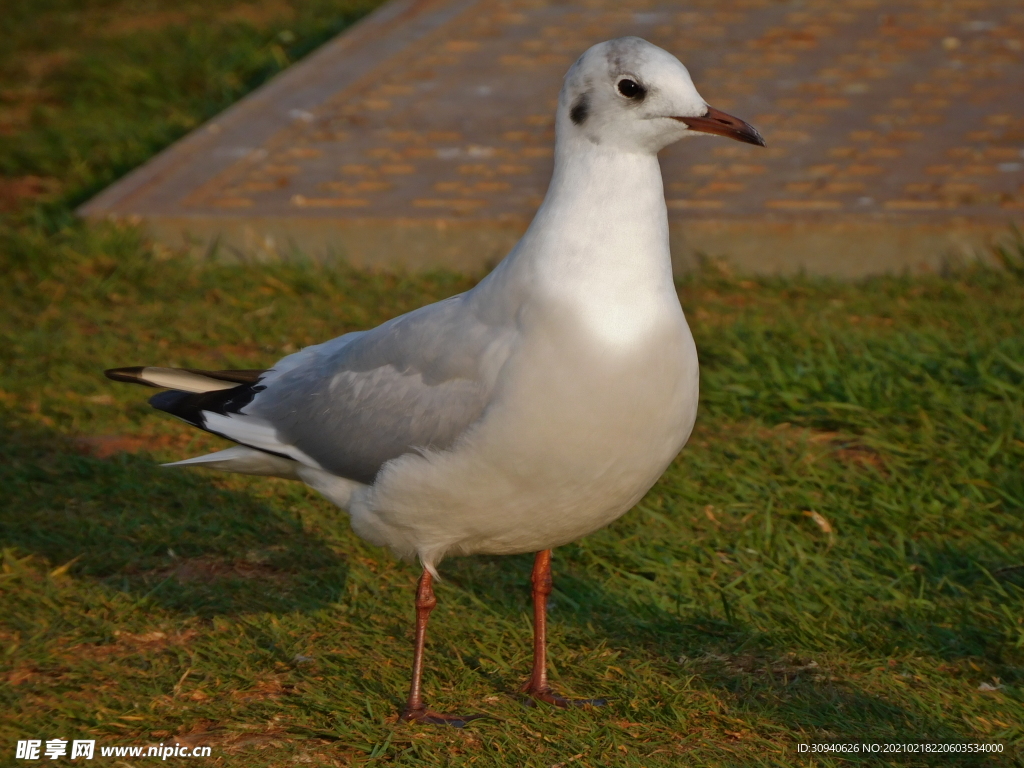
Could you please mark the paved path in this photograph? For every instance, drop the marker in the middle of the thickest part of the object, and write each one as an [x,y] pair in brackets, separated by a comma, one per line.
[423,136]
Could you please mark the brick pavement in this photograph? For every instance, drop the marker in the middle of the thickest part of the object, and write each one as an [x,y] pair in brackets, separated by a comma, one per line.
[424,136]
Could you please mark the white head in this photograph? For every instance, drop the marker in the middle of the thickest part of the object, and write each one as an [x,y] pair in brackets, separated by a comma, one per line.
[630,95]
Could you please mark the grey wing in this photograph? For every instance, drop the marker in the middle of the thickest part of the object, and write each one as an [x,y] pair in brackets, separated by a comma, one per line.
[416,382]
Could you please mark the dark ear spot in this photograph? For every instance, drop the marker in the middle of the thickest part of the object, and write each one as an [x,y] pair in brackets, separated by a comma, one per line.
[580,109]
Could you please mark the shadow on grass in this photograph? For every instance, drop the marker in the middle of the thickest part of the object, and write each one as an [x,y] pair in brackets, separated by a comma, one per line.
[174,537]
[757,675]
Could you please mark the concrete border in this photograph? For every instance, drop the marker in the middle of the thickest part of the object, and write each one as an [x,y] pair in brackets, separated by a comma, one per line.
[845,248]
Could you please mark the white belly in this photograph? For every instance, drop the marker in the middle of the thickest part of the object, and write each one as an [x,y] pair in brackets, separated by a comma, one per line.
[571,442]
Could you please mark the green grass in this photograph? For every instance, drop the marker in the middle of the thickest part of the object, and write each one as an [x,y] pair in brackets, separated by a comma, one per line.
[836,555]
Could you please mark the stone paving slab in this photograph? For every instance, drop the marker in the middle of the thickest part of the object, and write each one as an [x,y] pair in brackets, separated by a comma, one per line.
[423,136]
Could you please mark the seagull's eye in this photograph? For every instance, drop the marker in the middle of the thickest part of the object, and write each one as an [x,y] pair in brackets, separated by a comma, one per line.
[630,88]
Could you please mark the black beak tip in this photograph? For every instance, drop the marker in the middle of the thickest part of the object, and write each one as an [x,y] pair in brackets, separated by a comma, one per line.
[755,138]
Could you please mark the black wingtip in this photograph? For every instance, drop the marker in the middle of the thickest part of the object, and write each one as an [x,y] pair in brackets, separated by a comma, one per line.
[131,375]
[185,405]
[170,401]
[189,406]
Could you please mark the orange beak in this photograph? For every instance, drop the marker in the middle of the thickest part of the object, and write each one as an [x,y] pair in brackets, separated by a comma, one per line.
[721,124]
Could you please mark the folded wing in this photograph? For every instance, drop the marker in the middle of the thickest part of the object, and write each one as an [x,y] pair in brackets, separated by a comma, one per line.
[350,405]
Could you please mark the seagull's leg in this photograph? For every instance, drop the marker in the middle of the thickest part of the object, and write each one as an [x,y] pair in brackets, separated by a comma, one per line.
[541,578]
[538,686]
[415,709]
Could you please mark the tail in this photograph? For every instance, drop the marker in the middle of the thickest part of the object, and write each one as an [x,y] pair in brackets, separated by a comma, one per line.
[206,399]
[191,392]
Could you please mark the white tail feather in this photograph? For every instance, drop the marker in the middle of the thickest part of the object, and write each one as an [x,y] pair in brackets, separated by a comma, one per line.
[250,430]
[244,460]
[174,378]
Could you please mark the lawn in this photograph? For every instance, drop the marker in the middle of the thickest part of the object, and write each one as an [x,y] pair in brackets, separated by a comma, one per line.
[836,556]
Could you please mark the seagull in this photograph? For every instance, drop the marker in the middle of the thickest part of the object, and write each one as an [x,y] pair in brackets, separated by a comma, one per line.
[523,414]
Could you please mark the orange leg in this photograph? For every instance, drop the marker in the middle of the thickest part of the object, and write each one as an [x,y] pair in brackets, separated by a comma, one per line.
[538,686]
[415,709]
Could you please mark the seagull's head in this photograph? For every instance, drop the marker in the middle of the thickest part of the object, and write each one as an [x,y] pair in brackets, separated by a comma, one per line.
[632,95]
